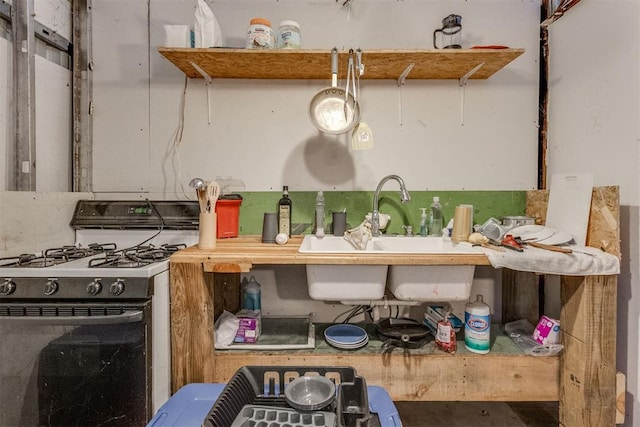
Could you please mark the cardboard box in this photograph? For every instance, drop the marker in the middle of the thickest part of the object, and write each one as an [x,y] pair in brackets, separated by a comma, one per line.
[249,326]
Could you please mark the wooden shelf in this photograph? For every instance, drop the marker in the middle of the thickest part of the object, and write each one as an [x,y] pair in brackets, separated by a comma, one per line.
[316,64]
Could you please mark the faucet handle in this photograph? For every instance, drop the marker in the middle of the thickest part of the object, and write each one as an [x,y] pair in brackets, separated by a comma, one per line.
[408,230]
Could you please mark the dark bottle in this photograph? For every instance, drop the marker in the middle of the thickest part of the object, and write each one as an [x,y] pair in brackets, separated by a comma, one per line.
[284,212]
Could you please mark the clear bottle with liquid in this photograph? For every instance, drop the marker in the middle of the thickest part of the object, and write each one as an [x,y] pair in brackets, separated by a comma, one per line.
[435,218]
[284,212]
[320,214]
[423,222]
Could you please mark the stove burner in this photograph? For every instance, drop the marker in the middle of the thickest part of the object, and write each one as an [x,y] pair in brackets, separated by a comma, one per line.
[138,256]
[56,256]
[77,252]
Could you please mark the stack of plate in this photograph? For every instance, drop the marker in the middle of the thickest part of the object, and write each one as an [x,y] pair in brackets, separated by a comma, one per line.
[346,336]
[541,234]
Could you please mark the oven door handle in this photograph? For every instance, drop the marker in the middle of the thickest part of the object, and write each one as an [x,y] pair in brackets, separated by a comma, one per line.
[127,317]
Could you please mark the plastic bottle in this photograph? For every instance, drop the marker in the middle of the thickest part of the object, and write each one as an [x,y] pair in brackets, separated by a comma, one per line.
[320,214]
[423,222]
[284,212]
[435,218]
[252,298]
[477,326]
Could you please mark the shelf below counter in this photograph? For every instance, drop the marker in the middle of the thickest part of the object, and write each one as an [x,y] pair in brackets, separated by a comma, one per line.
[241,253]
[504,374]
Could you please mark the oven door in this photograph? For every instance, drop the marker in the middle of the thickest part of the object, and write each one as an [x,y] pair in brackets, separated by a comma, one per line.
[75,364]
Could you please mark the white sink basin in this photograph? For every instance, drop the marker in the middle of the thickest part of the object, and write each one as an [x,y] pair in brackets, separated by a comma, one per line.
[385,244]
[433,283]
[407,282]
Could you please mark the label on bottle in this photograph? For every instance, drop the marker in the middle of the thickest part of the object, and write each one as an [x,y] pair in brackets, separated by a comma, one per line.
[284,213]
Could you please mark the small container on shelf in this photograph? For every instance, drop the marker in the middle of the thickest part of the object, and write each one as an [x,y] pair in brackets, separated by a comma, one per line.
[260,34]
[289,35]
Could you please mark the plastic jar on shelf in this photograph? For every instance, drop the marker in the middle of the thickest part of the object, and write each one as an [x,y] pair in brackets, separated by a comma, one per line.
[260,35]
[289,35]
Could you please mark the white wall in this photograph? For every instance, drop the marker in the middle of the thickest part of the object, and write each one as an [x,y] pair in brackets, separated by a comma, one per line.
[595,127]
[260,132]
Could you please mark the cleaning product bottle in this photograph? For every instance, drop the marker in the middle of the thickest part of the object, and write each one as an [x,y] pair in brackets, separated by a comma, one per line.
[423,222]
[320,214]
[477,326]
[435,218]
[252,299]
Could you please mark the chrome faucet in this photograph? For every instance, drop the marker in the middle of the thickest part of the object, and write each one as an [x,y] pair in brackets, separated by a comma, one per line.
[375,216]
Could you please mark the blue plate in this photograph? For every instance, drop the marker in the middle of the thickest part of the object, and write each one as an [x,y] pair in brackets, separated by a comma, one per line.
[345,334]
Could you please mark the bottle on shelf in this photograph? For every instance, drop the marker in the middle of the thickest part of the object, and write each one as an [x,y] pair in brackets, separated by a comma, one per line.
[320,214]
[477,326]
[284,212]
[252,295]
[435,218]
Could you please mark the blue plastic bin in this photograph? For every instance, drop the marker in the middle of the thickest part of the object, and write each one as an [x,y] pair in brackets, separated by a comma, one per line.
[191,404]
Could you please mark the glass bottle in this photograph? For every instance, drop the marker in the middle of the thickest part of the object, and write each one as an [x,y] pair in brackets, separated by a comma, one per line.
[284,212]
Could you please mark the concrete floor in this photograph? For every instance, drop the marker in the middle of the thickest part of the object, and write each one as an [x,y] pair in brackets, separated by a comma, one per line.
[478,414]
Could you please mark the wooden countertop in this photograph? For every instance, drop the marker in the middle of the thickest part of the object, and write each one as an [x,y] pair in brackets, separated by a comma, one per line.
[241,253]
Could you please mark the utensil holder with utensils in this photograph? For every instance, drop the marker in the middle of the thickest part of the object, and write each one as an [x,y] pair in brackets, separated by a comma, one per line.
[207,230]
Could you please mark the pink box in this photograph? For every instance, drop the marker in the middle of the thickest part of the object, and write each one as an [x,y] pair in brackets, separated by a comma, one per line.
[547,331]
[249,326]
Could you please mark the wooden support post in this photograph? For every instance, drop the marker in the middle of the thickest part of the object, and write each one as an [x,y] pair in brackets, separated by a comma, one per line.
[191,329]
[588,365]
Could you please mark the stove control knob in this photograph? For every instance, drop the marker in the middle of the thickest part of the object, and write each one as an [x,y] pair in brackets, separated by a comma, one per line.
[51,287]
[94,287]
[117,287]
[7,287]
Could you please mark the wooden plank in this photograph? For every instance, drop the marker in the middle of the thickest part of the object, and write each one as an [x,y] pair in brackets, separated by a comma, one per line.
[588,320]
[316,64]
[520,296]
[241,253]
[191,325]
[588,366]
[425,378]
[621,397]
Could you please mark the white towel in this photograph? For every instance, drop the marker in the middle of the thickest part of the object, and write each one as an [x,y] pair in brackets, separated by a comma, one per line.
[583,261]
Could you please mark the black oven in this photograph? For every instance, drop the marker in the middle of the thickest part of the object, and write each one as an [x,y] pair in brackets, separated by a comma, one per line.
[75,364]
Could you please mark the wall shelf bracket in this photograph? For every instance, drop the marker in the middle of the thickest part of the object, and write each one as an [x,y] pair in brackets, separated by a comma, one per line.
[208,80]
[405,73]
[463,80]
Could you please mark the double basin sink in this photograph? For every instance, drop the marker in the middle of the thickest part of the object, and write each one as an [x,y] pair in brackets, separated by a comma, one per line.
[363,282]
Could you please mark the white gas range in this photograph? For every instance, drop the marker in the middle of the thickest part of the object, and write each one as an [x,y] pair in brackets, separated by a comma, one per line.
[113,281]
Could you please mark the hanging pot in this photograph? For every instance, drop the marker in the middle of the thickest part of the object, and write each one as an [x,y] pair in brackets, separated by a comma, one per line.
[333,110]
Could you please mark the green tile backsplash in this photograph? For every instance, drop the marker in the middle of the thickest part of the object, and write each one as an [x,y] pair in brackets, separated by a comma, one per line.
[486,204]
